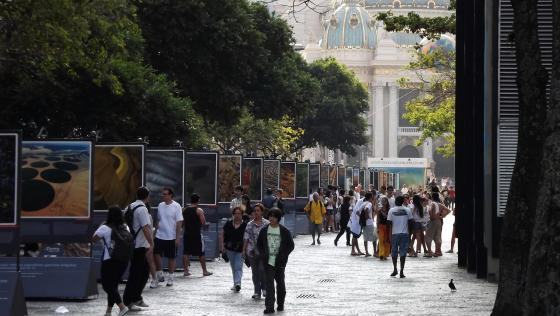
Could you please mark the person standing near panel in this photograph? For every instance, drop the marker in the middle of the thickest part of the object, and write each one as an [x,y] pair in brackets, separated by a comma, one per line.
[275,244]
[168,234]
[138,217]
[237,201]
[112,269]
[193,241]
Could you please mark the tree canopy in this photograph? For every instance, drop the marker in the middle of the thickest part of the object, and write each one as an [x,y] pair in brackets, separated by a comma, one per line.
[71,67]
[226,56]
[434,109]
[168,72]
[429,27]
[337,121]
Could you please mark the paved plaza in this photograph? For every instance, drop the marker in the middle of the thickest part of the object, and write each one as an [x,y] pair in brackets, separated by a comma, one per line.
[320,280]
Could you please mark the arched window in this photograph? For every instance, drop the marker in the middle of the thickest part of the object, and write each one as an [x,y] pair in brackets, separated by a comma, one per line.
[431,5]
[409,151]
[396,4]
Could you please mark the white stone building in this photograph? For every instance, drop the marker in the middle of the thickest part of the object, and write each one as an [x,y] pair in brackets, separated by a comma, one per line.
[348,31]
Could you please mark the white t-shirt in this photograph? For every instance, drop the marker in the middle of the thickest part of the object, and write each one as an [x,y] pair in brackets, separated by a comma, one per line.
[391,201]
[168,216]
[104,232]
[354,223]
[368,206]
[141,218]
[399,216]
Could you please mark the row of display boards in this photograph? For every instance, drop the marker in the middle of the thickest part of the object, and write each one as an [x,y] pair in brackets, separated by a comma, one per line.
[58,191]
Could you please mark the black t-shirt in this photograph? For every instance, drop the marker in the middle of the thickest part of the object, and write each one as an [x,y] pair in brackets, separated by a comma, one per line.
[233,237]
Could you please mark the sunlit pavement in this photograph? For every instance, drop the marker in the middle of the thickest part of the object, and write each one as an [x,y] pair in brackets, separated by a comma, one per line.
[320,280]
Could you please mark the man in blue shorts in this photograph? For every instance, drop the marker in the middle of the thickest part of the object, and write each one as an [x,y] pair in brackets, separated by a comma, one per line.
[399,218]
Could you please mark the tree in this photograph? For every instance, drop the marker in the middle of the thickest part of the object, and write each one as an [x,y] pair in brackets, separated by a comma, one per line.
[529,271]
[71,67]
[428,27]
[342,102]
[434,110]
[226,56]
[266,137]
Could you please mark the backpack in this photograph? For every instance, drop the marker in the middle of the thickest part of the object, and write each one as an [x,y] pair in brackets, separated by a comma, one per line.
[129,219]
[122,244]
[363,217]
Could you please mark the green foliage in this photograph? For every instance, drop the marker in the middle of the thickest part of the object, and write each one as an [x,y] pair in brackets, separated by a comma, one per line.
[226,56]
[337,120]
[250,135]
[429,27]
[434,109]
[76,66]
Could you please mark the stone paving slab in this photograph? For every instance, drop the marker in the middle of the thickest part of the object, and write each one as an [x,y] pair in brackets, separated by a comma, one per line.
[320,280]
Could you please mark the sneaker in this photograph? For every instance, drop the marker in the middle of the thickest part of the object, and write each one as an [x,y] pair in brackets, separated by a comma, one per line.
[255,296]
[170,279]
[141,303]
[237,288]
[280,308]
[160,276]
[133,308]
[207,274]
[154,284]
[268,311]
[449,251]
[318,241]
[123,311]
[233,288]
[186,274]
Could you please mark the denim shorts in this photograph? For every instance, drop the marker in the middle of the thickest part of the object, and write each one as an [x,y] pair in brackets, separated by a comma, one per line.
[399,245]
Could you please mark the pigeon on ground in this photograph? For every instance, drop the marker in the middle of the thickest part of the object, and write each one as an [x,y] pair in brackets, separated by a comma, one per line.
[452,286]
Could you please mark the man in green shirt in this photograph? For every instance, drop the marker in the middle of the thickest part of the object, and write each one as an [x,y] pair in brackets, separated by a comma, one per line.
[275,244]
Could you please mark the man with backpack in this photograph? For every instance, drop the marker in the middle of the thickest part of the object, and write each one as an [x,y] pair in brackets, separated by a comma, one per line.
[139,221]
[316,211]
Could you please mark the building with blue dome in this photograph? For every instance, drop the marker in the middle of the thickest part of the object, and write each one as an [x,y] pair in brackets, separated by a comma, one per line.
[348,31]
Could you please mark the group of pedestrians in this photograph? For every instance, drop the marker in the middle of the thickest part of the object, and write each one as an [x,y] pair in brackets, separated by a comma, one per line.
[131,237]
[254,236]
[393,224]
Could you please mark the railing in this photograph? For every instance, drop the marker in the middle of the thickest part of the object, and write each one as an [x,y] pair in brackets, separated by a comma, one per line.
[409,131]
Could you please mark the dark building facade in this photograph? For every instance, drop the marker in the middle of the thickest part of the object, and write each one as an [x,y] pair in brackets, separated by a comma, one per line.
[487,116]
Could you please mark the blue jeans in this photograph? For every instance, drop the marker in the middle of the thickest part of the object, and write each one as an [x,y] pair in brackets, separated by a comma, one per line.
[236,263]
[399,244]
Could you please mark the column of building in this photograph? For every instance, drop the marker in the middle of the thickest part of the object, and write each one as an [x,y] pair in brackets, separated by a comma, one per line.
[379,124]
[393,120]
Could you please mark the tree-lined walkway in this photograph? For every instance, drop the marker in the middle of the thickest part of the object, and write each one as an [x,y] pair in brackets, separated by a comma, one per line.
[321,280]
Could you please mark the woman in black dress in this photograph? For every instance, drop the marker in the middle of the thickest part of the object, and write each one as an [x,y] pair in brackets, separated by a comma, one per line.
[344,218]
[193,242]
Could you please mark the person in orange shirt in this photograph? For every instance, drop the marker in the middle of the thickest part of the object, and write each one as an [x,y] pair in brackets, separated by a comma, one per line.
[316,212]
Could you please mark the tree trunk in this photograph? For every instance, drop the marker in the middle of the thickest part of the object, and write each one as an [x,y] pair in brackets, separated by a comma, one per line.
[543,274]
[520,210]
